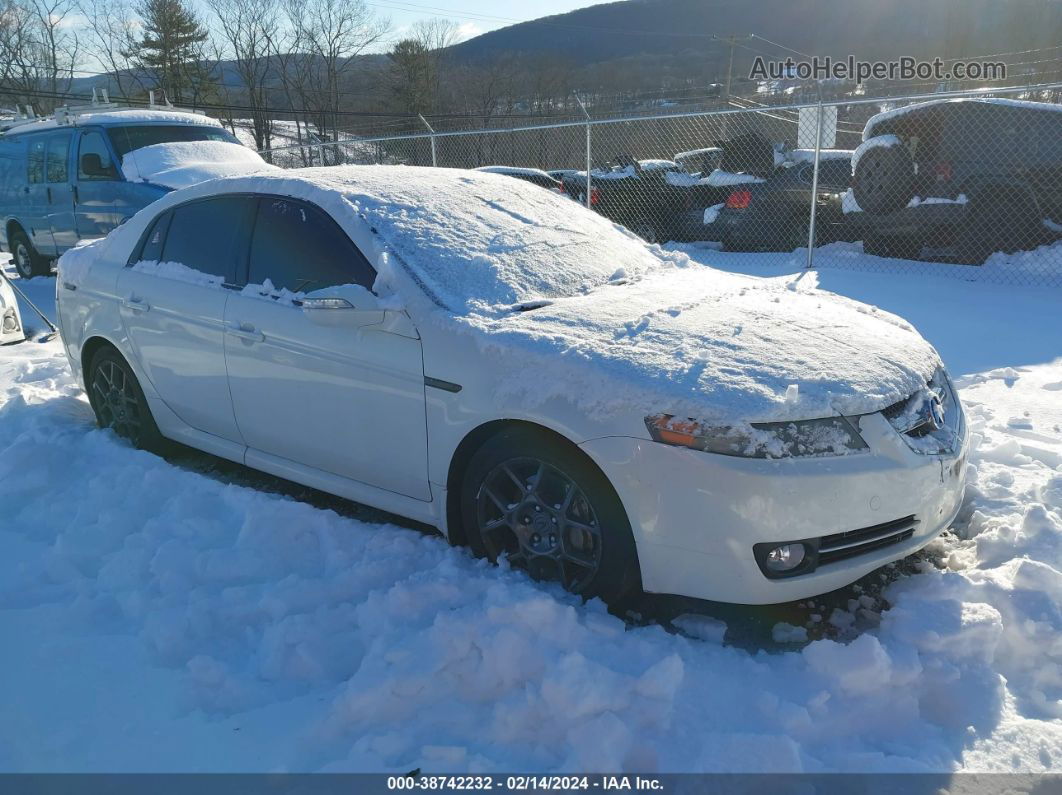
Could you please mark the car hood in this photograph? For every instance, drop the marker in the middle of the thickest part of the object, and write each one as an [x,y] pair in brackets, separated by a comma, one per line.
[696,342]
[183,163]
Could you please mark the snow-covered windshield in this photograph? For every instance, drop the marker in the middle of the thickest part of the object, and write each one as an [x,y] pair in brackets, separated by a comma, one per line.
[128,138]
[480,242]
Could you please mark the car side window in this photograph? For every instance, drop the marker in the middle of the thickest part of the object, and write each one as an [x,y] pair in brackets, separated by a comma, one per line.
[298,247]
[94,158]
[35,161]
[58,158]
[205,235]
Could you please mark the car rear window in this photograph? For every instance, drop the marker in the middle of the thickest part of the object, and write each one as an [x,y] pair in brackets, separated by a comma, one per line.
[129,138]
[206,235]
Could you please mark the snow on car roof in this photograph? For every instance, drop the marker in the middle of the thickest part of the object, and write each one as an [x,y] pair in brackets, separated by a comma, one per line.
[465,236]
[888,115]
[657,165]
[708,150]
[110,118]
[527,172]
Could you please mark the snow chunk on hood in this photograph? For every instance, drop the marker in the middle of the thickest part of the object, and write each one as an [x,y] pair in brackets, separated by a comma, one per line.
[179,164]
[712,346]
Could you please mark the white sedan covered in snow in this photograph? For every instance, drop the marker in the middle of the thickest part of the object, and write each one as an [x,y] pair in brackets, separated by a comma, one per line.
[482,355]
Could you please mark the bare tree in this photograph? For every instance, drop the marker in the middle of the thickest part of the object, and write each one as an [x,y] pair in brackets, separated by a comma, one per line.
[249,27]
[39,50]
[110,29]
[333,33]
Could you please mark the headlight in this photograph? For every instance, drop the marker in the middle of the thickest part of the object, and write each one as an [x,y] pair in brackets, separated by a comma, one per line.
[824,437]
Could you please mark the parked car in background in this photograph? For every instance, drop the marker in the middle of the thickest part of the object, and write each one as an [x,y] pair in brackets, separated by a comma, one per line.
[484,334]
[773,214]
[533,175]
[79,174]
[561,174]
[970,176]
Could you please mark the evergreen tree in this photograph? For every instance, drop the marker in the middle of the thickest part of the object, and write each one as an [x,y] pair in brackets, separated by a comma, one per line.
[170,50]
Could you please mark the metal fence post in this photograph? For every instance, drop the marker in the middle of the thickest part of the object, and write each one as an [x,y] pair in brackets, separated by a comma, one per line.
[815,184]
[588,159]
[434,161]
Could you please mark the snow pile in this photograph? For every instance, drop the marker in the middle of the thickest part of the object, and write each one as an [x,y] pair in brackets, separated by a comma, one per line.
[179,164]
[249,631]
[711,214]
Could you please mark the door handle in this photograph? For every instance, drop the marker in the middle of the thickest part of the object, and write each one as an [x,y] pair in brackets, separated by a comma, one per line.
[135,304]
[48,192]
[244,331]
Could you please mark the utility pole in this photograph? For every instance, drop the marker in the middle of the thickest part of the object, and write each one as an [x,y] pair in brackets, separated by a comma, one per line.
[731,40]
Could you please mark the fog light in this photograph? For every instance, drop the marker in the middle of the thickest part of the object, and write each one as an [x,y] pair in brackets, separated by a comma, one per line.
[785,558]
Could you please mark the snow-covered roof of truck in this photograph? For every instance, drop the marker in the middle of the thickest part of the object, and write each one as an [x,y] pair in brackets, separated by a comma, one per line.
[888,115]
[107,118]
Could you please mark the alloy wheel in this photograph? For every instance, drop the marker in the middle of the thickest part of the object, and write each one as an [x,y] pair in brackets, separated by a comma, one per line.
[116,400]
[537,517]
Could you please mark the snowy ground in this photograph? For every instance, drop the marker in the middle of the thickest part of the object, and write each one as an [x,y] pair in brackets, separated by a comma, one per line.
[186,614]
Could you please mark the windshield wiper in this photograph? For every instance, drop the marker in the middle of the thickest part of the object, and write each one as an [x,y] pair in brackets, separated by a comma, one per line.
[527,306]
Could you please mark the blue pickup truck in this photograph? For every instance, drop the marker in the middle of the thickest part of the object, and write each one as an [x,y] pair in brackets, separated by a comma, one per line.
[79,175]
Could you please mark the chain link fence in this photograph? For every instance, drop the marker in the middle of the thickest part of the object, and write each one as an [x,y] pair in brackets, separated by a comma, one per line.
[959,184]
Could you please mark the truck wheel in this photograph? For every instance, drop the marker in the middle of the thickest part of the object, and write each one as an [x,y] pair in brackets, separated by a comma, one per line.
[891,247]
[884,179]
[538,502]
[28,262]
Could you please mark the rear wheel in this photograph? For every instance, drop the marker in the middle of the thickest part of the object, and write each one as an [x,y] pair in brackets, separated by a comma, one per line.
[28,262]
[119,403]
[533,500]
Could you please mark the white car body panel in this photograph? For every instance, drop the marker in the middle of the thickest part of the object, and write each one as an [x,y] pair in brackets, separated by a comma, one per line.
[345,399]
[374,407]
[176,331]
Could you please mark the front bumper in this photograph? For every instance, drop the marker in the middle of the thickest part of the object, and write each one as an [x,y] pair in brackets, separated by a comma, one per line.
[696,516]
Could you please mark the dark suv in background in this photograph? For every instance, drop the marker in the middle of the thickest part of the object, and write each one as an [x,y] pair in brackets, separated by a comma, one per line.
[969,176]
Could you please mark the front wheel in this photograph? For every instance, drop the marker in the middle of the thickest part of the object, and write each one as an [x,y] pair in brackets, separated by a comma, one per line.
[119,403]
[540,504]
[28,262]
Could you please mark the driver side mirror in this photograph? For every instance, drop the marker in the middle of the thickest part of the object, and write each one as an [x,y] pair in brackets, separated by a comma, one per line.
[92,166]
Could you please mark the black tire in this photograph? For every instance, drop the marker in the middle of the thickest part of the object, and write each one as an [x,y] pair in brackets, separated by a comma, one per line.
[119,403]
[891,247]
[28,262]
[884,179]
[543,525]
[1006,223]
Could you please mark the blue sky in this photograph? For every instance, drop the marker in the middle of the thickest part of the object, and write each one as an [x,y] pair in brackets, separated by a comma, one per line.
[473,16]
